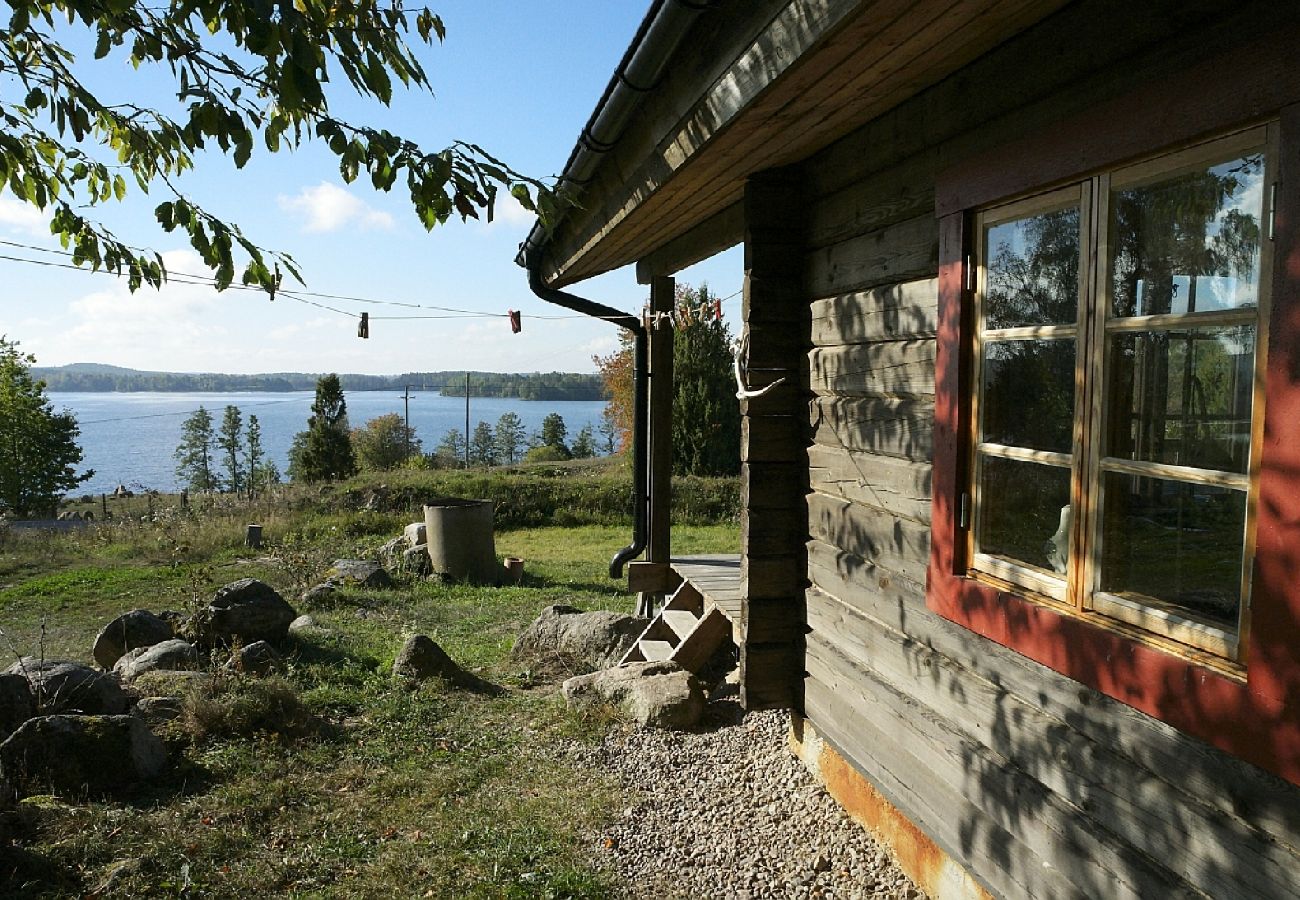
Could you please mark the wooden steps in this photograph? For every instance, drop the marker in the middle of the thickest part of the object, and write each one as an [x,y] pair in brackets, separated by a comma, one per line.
[686,631]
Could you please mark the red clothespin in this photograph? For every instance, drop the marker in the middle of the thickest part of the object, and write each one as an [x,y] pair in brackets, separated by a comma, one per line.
[516,325]
[717,310]
[363,327]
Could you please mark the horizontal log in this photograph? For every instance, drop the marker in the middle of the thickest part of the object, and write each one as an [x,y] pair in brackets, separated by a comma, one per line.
[901,192]
[905,251]
[776,345]
[788,398]
[887,483]
[777,298]
[887,369]
[898,544]
[774,620]
[892,427]
[774,438]
[996,791]
[771,676]
[1206,776]
[886,313]
[769,533]
[769,577]
[774,486]
[1107,789]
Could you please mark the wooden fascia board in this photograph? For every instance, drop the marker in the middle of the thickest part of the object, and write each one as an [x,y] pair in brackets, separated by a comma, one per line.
[688,120]
[715,234]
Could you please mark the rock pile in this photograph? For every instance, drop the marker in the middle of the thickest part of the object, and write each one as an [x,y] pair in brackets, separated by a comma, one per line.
[67,727]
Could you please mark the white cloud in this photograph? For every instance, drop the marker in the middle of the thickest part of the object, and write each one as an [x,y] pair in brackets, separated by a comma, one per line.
[169,328]
[328,207]
[509,211]
[17,216]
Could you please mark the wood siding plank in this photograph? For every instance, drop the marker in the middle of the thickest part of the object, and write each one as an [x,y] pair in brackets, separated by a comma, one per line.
[897,486]
[887,313]
[903,369]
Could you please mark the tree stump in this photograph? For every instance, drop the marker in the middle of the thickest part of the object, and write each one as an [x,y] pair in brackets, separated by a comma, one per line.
[461,542]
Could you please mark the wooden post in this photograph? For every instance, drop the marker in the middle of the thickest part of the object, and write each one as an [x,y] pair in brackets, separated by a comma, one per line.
[253,537]
[659,550]
[103,505]
[774,459]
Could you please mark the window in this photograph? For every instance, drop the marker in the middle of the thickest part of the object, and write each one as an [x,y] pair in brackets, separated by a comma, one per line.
[1117,373]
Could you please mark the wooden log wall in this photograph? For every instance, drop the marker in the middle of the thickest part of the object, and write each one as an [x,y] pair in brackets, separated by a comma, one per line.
[773,476]
[1038,785]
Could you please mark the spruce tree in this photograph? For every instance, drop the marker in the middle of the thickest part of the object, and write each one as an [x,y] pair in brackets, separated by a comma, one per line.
[509,437]
[324,451]
[195,451]
[482,446]
[706,414]
[230,441]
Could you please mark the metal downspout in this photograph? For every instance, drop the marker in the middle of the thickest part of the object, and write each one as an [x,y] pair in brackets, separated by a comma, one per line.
[640,406]
[643,65]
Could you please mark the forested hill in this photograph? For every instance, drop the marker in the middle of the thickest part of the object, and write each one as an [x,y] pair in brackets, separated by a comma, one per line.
[94,377]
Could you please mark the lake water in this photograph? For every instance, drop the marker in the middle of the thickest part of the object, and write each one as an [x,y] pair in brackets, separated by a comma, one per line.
[130,438]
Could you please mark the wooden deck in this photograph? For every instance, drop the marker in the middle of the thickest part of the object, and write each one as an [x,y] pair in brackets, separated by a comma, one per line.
[717,577]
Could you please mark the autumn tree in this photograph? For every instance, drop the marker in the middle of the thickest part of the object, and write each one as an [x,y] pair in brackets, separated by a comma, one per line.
[706,414]
[247,79]
[38,447]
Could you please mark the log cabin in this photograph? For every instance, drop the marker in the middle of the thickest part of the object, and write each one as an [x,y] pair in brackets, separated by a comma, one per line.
[1020,538]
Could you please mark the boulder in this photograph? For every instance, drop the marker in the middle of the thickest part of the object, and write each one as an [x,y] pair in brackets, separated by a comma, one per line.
[247,610]
[362,573]
[653,694]
[414,534]
[62,686]
[415,561]
[302,623]
[257,658]
[421,658]
[75,755]
[17,704]
[159,709]
[168,683]
[137,628]
[173,655]
[320,595]
[588,640]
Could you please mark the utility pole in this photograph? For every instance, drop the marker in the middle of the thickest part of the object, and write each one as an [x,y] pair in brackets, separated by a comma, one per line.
[467,419]
[406,399]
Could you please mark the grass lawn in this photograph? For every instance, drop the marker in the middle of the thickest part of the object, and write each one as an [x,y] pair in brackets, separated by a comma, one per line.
[364,786]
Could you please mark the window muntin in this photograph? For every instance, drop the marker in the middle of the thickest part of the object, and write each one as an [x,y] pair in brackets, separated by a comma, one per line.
[1144,514]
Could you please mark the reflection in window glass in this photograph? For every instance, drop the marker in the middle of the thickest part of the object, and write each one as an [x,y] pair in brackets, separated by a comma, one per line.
[1189,243]
[1182,397]
[1032,270]
[1177,543]
[1029,394]
[1025,513]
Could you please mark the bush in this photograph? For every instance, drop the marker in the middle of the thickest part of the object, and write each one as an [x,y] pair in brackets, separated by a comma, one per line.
[545,453]
[241,707]
[552,496]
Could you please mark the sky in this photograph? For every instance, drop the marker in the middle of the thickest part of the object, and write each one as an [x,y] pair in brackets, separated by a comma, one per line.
[518,78]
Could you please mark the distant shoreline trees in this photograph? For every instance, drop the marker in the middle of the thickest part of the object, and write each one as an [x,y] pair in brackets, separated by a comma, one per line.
[86,378]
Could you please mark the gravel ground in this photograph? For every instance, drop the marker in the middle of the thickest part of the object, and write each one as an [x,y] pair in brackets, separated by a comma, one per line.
[728,812]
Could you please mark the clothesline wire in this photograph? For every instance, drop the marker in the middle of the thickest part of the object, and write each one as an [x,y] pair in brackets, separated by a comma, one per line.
[302,295]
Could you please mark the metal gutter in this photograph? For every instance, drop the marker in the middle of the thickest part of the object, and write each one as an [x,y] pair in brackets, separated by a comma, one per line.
[647,58]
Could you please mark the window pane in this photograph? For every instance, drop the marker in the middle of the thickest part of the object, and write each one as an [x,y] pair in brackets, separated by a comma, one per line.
[1032,270]
[1024,513]
[1188,243]
[1029,394]
[1182,397]
[1177,543]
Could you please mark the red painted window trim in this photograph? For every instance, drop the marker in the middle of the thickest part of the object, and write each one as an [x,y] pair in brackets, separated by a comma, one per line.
[1256,719]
